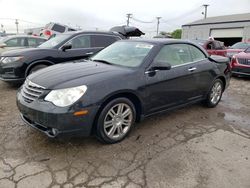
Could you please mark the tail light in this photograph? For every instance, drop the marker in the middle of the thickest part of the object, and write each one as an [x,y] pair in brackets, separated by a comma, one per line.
[47,33]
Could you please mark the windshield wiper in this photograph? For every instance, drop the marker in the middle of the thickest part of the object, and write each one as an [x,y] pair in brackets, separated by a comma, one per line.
[102,61]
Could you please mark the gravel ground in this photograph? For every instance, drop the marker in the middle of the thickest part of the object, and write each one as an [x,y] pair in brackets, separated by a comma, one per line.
[191,147]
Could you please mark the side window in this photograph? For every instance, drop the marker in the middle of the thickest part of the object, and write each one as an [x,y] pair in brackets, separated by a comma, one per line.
[196,53]
[58,28]
[32,42]
[11,42]
[15,42]
[175,54]
[81,42]
[102,41]
[40,41]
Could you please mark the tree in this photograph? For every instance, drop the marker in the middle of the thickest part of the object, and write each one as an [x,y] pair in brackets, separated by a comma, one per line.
[176,34]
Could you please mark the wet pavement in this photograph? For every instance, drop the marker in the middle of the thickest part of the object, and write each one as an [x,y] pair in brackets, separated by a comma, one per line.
[191,147]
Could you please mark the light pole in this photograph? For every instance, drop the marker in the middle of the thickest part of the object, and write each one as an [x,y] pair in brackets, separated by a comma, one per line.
[128,18]
[16,22]
[205,13]
[158,24]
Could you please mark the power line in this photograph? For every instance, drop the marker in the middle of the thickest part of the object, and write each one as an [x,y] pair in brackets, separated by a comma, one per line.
[141,21]
[183,15]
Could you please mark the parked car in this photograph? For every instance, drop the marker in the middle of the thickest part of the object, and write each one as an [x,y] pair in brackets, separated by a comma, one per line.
[125,82]
[55,28]
[19,41]
[241,63]
[16,65]
[237,48]
[213,47]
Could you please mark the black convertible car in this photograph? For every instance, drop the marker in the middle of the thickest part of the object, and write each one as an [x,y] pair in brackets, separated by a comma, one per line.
[16,65]
[124,83]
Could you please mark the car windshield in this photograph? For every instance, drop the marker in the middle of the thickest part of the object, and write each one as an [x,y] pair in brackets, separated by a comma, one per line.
[124,53]
[247,50]
[53,42]
[240,45]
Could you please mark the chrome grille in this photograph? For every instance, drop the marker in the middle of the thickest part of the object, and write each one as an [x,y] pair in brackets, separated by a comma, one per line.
[244,61]
[31,91]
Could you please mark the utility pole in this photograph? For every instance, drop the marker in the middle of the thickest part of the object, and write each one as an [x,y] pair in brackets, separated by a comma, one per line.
[158,23]
[16,22]
[128,18]
[205,13]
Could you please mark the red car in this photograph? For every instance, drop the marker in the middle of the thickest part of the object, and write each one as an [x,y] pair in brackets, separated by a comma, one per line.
[213,47]
[237,48]
[240,63]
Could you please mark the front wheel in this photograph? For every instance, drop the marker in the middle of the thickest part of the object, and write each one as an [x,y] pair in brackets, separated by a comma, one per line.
[115,120]
[215,94]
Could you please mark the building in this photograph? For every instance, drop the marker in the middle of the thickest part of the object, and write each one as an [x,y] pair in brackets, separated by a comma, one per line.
[228,29]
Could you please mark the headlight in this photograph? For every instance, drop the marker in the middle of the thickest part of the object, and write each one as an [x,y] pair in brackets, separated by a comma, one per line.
[66,97]
[11,59]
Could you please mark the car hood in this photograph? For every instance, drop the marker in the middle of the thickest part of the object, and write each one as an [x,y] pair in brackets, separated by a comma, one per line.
[243,55]
[74,74]
[23,52]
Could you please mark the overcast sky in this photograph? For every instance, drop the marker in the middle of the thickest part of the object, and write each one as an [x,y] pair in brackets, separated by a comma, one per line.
[103,14]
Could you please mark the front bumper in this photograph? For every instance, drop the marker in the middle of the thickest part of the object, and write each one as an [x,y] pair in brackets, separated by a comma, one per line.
[241,71]
[55,121]
[12,73]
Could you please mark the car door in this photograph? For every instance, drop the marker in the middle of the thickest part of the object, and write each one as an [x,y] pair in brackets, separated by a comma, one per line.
[169,88]
[81,48]
[204,72]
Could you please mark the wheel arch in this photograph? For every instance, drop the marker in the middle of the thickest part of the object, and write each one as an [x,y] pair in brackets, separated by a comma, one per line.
[132,96]
[35,63]
[223,79]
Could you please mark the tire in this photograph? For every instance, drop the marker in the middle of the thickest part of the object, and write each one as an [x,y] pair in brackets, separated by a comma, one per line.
[113,124]
[36,68]
[215,94]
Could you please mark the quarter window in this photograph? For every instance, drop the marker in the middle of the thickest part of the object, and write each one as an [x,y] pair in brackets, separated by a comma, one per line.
[174,54]
[103,41]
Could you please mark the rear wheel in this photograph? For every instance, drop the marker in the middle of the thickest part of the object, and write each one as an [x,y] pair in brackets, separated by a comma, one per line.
[215,94]
[36,68]
[115,120]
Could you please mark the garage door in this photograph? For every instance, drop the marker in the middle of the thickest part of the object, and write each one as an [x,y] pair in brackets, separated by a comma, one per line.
[227,33]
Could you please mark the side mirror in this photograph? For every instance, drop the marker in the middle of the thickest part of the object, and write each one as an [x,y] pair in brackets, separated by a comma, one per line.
[3,45]
[161,66]
[66,47]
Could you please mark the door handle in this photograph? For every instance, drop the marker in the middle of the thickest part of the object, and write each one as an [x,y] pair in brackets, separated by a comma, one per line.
[89,53]
[191,69]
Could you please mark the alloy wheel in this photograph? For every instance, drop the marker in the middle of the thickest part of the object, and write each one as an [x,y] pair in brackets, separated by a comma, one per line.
[216,93]
[118,121]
